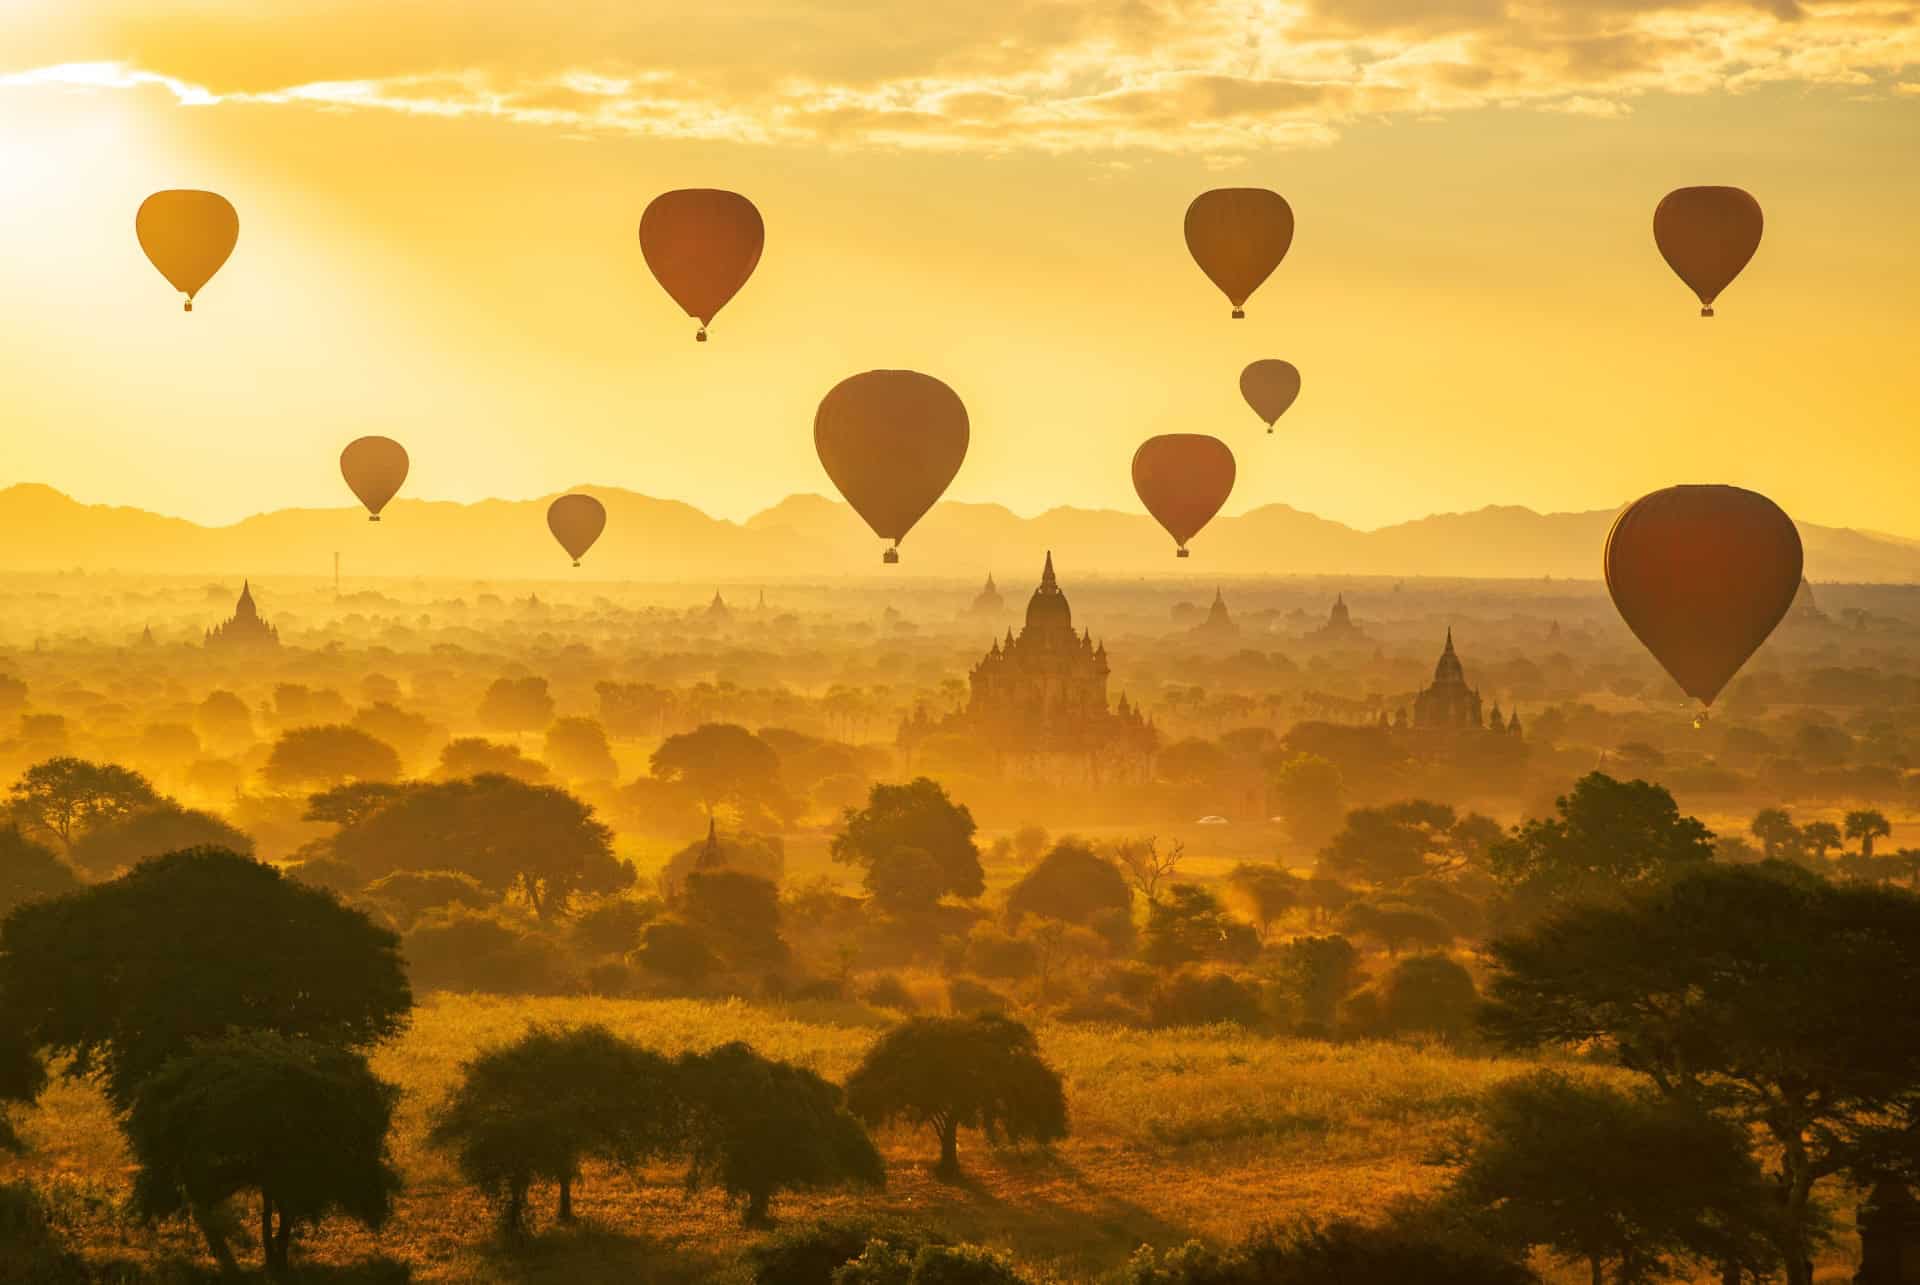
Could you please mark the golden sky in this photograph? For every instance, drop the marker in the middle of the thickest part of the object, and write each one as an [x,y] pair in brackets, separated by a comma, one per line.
[438,203]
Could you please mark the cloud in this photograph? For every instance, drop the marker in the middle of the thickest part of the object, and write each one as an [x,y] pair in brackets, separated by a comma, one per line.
[1221,77]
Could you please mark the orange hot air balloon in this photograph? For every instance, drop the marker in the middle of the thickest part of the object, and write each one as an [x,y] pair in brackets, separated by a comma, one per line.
[1183,479]
[374,467]
[892,441]
[1238,235]
[1707,235]
[187,235]
[1270,387]
[702,244]
[576,522]
[1702,574]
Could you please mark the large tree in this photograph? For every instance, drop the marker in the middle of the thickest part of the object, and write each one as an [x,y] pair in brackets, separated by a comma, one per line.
[1783,1002]
[30,871]
[328,755]
[577,749]
[301,1125]
[1391,846]
[534,1109]
[1607,835]
[111,846]
[1189,926]
[63,796]
[192,945]
[951,1073]
[916,816]
[1866,825]
[517,705]
[1072,883]
[722,763]
[537,842]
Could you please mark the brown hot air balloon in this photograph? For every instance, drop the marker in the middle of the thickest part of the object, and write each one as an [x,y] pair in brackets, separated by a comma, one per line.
[187,235]
[1702,574]
[892,441]
[374,467]
[1238,235]
[1707,235]
[1270,387]
[702,244]
[1183,479]
[576,522]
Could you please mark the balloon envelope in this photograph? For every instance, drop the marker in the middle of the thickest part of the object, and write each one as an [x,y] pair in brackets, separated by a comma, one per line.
[1702,574]
[1238,235]
[374,467]
[1270,387]
[187,235]
[576,522]
[702,244]
[892,441]
[1183,479]
[1707,235]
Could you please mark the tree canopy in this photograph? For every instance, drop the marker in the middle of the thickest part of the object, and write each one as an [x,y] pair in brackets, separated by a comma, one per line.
[62,797]
[723,763]
[1071,883]
[1609,834]
[329,755]
[30,871]
[917,816]
[110,846]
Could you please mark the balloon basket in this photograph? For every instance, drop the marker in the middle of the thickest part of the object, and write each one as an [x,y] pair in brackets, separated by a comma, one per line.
[890,557]
[576,562]
[1239,314]
[1182,553]
[1706,312]
[187,306]
[373,517]
[701,337]
[1700,721]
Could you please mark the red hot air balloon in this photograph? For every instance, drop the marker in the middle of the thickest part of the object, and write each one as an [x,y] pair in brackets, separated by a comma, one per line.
[1270,387]
[374,468]
[1702,574]
[576,522]
[1183,479]
[702,244]
[1707,235]
[892,441]
[1238,235]
[188,236]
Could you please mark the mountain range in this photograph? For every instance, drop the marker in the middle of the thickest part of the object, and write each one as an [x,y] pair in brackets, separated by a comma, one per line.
[811,537]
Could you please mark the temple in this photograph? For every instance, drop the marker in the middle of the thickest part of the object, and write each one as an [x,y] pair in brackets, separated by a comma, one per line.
[1449,705]
[989,602]
[1218,623]
[718,611]
[245,628]
[1339,626]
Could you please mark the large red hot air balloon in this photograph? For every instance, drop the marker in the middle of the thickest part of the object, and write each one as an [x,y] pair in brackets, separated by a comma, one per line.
[576,522]
[374,467]
[892,441]
[702,244]
[1238,235]
[1270,387]
[1183,479]
[1707,235]
[188,236]
[1702,574]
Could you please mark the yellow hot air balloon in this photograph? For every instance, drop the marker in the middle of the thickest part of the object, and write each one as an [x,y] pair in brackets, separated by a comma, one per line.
[1707,235]
[576,522]
[1183,479]
[1238,236]
[374,467]
[1702,574]
[892,441]
[702,244]
[187,235]
[1270,387]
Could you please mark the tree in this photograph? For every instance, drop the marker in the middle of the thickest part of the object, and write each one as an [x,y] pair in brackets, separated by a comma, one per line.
[1071,883]
[533,841]
[1631,1184]
[1146,865]
[408,733]
[127,974]
[756,1127]
[906,881]
[1267,891]
[409,894]
[1608,835]
[722,763]
[112,846]
[1317,974]
[30,871]
[951,1073]
[1189,926]
[1820,838]
[329,755]
[516,705]
[1391,846]
[63,796]
[1309,792]
[346,805]
[1396,925]
[302,1125]
[1429,994]
[224,723]
[1866,825]
[472,756]
[1780,838]
[1029,841]
[534,1109]
[737,912]
[577,749]
[1779,1000]
[917,815]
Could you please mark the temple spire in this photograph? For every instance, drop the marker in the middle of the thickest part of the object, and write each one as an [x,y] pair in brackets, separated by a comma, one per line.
[1046,573]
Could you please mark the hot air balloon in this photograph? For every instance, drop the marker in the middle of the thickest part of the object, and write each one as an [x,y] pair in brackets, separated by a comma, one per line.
[576,522]
[1707,235]
[187,235]
[702,244]
[892,441]
[1183,479]
[374,467]
[1702,574]
[1238,235]
[1270,387]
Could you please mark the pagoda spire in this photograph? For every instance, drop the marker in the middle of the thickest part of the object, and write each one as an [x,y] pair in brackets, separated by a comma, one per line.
[1046,573]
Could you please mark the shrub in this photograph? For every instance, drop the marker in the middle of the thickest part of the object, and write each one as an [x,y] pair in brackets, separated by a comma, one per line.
[675,951]
[458,949]
[810,1252]
[411,893]
[612,925]
[1204,998]
[1431,994]
[886,990]
[31,1248]
[889,1262]
[993,952]
[964,995]
[612,978]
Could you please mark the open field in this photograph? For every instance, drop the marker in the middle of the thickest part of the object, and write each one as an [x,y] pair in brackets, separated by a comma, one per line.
[1176,1134]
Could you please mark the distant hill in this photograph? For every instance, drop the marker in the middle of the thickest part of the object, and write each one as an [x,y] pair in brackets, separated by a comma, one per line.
[807,536]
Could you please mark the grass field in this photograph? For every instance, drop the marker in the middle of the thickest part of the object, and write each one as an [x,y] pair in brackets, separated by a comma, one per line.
[1175,1134]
